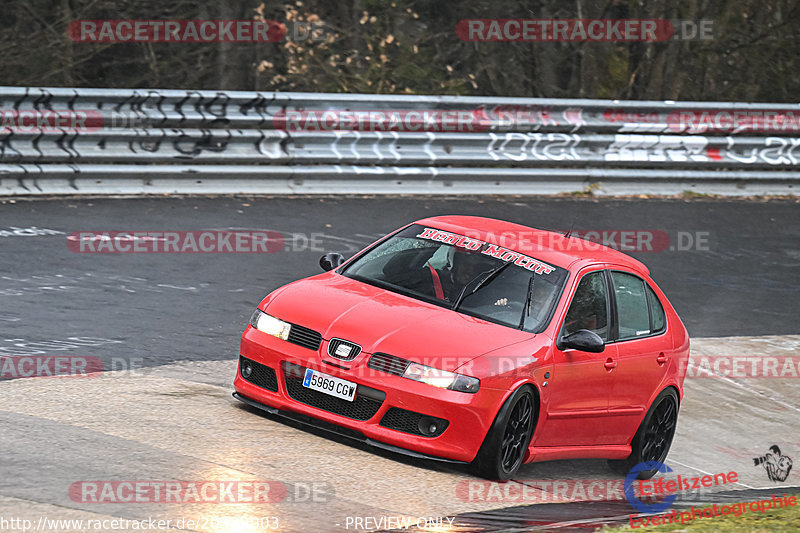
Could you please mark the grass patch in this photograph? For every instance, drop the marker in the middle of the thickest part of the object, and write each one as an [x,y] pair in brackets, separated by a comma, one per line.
[687,194]
[588,192]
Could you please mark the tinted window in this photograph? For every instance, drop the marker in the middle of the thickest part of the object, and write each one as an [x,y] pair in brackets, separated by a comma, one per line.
[588,309]
[633,312]
[656,311]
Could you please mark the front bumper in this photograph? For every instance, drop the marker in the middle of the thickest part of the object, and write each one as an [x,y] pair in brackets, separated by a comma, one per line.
[469,416]
[358,437]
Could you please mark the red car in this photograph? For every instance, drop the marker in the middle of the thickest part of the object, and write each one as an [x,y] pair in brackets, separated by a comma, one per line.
[474,340]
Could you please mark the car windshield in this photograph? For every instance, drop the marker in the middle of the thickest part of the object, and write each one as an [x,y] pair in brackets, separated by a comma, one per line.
[464,274]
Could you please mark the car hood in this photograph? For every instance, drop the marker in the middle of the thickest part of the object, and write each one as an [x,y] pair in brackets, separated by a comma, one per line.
[383,321]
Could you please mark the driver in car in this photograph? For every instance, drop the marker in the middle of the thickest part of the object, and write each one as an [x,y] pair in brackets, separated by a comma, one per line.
[462,267]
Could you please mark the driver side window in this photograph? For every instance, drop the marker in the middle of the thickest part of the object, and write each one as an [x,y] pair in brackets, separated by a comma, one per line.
[589,309]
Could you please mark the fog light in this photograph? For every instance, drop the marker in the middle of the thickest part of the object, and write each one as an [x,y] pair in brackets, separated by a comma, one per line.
[428,426]
[247,369]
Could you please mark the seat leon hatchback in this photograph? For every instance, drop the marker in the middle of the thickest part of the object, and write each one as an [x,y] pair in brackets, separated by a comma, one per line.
[474,340]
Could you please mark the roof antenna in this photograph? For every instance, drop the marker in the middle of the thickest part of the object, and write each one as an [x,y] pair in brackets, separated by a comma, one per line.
[568,234]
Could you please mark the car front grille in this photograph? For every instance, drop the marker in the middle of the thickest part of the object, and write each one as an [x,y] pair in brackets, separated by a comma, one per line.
[390,364]
[366,403]
[260,375]
[307,338]
[351,349]
[413,423]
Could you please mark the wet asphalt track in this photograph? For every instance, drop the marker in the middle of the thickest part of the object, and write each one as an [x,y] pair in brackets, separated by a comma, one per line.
[177,307]
[179,316]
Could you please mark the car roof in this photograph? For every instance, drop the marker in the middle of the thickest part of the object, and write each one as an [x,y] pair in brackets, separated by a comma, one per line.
[572,253]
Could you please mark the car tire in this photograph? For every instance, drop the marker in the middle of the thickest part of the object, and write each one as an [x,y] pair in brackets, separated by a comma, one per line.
[654,436]
[506,443]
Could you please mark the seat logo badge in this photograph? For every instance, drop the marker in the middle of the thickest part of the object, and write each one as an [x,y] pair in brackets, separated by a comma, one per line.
[343,350]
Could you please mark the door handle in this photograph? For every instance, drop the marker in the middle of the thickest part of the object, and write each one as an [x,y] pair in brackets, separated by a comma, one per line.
[661,359]
[610,364]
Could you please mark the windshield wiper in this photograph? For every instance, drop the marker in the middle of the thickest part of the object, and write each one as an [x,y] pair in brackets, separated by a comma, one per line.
[528,302]
[489,275]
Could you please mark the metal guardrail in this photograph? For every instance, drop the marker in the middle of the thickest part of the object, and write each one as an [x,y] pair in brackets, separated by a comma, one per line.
[110,141]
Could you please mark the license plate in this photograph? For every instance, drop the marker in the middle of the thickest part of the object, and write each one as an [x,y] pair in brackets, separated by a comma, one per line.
[340,388]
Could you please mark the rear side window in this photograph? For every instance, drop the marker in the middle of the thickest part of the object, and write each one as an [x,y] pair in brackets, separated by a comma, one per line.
[633,310]
[657,314]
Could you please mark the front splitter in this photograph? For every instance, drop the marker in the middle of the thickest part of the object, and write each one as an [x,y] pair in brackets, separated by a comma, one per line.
[341,432]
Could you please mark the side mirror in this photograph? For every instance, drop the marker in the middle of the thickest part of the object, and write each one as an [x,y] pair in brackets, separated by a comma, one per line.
[331,260]
[583,340]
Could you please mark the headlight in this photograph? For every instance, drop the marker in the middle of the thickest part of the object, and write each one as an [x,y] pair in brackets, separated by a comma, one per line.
[269,324]
[442,378]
